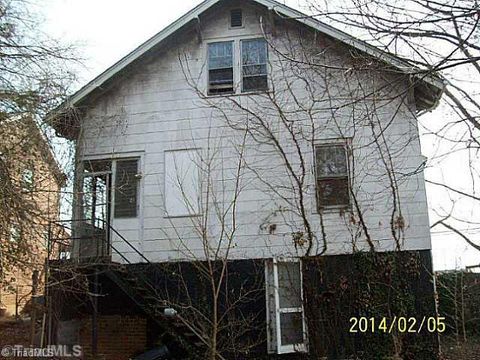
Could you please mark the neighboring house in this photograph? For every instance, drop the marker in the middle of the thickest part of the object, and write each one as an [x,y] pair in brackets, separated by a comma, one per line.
[30,198]
[249,168]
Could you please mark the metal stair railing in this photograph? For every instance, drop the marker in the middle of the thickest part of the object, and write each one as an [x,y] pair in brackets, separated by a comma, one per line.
[155,312]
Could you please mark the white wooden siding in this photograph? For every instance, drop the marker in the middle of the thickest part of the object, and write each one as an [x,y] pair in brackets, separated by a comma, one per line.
[154,110]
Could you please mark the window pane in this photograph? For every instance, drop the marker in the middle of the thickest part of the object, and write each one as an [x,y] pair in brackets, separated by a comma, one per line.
[126,188]
[100,201]
[181,183]
[291,328]
[255,83]
[220,55]
[27,180]
[97,165]
[220,66]
[87,196]
[221,76]
[331,161]
[254,68]
[15,234]
[333,192]
[254,52]
[289,284]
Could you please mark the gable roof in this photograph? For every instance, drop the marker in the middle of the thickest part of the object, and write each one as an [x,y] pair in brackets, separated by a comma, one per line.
[432,83]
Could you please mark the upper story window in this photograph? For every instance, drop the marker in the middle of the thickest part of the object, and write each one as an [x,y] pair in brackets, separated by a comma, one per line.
[331,171]
[15,233]
[126,183]
[99,178]
[27,180]
[254,65]
[220,67]
[95,192]
[224,72]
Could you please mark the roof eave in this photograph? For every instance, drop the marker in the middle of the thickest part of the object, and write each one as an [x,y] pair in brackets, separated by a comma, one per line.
[81,95]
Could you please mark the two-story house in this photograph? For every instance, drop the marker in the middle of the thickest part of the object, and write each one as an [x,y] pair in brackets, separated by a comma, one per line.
[30,189]
[247,181]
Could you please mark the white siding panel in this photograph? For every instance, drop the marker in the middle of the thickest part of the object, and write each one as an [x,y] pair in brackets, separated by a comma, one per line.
[155,110]
[181,183]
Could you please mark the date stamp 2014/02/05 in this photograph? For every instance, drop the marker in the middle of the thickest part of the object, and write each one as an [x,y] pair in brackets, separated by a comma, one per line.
[397,324]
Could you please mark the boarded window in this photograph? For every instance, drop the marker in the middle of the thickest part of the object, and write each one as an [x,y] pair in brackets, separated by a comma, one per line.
[254,65]
[236,18]
[287,331]
[182,189]
[126,183]
[220,67]
[331,176]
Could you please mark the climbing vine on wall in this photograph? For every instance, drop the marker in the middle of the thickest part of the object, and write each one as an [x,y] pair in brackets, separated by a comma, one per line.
[378,286]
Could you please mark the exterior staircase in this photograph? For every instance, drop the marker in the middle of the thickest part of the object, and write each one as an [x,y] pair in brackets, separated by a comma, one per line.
[134,283]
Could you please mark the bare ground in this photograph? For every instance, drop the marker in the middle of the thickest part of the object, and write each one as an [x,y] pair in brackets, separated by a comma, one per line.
[453,350]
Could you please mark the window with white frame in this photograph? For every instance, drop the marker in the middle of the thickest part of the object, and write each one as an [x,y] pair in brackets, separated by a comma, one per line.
[182,187]
[15,233]
[220,67]
[285,313]
[27,180]
[254,65]
[99,178]
[331,173]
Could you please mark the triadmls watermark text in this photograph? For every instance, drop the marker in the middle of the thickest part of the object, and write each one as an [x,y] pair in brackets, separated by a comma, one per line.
[50,351]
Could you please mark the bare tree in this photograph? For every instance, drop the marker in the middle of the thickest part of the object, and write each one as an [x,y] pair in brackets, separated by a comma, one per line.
[435,36]
[35,75]
[205,290]
[306,105]
[318,96]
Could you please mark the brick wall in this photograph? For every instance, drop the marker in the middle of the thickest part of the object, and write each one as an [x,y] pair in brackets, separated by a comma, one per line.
[119,337]
[24,148]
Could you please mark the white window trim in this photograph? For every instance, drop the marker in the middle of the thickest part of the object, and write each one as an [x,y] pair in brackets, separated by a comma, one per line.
[240,69]
[234,65]
[139,156]
[237,66]
[291,348]
[346,143]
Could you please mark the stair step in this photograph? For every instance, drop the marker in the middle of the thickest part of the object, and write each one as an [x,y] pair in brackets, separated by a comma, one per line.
[150,298]
[140,288]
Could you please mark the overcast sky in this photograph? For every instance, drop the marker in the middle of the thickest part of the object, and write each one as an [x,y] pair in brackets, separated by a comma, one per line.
[107,30]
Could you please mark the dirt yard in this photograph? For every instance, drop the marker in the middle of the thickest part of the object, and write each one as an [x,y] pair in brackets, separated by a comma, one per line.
[461,351]
[13,332]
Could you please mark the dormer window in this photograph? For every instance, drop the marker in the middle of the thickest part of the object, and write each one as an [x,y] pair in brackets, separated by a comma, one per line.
[236,18]
[220,68]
